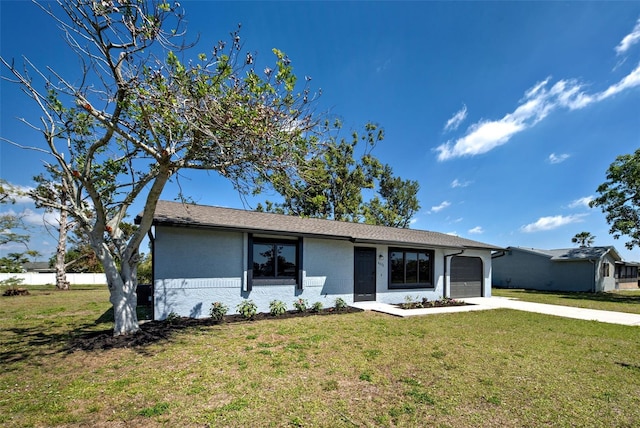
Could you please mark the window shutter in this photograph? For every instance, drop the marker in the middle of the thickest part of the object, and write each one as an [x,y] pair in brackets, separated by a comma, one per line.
[299,285]
[250,263]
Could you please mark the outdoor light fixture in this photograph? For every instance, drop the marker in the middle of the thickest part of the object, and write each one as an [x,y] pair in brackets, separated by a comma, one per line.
[381,257]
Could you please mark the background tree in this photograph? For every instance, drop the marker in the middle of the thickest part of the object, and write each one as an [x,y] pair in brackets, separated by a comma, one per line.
[140,112]
[396,202]
[620,198]
[583,239]
[10,223]
[334,188]
[10,226]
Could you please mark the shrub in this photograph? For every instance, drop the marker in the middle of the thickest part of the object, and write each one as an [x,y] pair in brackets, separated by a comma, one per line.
[316,307]
[340,304]
[277,308]
[248,309]
[408,302]
[218,310]
[300,305]
[172,318]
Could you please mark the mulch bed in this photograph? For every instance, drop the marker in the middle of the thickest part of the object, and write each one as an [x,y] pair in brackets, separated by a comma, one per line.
[430,304]
[16,292]
[154,331]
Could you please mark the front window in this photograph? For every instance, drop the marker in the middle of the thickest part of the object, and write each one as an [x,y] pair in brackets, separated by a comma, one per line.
[273,261]
[410,268]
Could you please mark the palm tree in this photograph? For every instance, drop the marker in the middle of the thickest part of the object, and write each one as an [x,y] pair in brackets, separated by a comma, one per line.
[584,239]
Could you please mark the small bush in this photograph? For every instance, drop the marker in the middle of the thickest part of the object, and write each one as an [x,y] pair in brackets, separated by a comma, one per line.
[300,305]
[218,310]
[408,302]
[340,304]
[172,318]
[316,307]
[248,309]
[277,308]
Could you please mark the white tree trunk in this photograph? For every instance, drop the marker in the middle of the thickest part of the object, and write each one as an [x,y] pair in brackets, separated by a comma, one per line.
[61,251]
[122,288]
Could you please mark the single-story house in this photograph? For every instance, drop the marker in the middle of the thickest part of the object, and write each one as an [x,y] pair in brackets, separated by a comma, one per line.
[39,267]
[204,254]
[590,269]
[627,275]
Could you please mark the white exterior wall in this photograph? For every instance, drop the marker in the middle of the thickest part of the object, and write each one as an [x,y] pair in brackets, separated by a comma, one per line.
[606,283]
[196,267]
[485,255]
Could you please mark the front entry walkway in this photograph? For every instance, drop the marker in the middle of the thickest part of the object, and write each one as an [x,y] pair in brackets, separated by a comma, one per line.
[484,303]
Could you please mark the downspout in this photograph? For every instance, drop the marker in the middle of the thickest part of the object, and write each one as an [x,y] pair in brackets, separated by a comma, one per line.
[445,273]
[152,244]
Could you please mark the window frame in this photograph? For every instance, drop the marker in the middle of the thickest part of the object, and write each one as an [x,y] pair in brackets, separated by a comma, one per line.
[274,280]
[404,285]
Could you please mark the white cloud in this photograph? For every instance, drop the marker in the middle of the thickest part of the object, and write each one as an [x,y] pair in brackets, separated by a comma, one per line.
[481,138]
[538,102]
[551,222]
[629,40]
[554,158]
[457,183]
[440,207]
[455,121]
[581,202]
[18,193]
[476,230]
[629,81]
[30,217]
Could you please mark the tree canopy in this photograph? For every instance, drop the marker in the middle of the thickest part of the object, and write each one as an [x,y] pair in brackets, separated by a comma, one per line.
[143,107]
[619,198]
[334,188]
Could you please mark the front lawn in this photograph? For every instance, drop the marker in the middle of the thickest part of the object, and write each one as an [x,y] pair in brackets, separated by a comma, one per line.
[619,301]
[496,368]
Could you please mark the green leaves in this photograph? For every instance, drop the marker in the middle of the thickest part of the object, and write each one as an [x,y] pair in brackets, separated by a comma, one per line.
[620,198]
[332,185]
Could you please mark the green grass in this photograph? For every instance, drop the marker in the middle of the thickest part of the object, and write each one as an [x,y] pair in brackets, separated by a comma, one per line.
[620,301]
[489,368]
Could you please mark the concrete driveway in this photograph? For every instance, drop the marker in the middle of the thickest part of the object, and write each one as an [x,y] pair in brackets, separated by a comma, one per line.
[485,303]
[557,310]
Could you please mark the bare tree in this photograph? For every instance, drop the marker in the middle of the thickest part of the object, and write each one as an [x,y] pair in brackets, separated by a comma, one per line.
[140,111]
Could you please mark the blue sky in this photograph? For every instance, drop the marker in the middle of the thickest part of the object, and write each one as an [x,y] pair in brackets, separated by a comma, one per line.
[507,113]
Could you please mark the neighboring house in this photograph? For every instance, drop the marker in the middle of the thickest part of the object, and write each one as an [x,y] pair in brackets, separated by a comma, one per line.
[39,267]
[590,269]
[627,275]
[204,254]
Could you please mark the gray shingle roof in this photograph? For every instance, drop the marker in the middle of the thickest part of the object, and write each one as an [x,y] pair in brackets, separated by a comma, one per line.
[189,215]
[575,254]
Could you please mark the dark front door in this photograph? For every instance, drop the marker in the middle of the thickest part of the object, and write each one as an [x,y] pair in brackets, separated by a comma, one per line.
[364,288]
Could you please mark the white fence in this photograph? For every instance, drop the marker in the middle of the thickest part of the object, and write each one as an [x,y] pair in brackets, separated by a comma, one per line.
[34,278]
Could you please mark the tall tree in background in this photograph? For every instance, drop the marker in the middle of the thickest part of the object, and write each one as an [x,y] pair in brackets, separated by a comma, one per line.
[333,188]
[620,198]
[10,222]
[396,202]
[583,239]
[140,112]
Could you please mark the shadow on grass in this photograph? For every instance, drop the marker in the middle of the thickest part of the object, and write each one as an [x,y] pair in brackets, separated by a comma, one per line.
[29,343]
